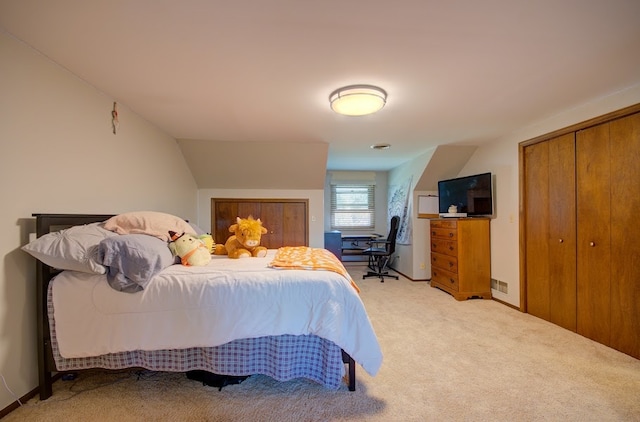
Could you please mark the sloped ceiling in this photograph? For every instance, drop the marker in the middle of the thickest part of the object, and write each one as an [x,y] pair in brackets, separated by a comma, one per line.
[256,165]
[461,72]
[445,163]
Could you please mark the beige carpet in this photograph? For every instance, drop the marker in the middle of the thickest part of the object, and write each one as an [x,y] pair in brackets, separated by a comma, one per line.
[444,360]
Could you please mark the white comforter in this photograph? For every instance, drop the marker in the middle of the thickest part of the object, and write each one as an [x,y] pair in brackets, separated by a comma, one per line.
[208,306]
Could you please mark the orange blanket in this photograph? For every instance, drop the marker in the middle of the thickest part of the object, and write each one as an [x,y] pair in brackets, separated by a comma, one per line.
[305,258]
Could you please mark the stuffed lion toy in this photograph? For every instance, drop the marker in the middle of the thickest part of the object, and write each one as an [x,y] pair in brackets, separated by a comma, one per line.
[245,241]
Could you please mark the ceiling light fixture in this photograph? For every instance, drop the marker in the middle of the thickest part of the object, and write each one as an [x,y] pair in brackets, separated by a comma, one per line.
[357,100]
[381,146]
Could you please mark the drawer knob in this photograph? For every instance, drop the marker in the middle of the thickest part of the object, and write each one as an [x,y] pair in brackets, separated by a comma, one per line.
[450,264]
[450,248]
[452,281]
[450,234]
[592,244]
[560,240]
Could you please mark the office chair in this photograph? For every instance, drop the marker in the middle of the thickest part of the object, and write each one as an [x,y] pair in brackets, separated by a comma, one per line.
[380,253]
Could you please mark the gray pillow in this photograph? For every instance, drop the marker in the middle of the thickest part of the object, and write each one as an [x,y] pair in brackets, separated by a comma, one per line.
[74,248]
[133,259]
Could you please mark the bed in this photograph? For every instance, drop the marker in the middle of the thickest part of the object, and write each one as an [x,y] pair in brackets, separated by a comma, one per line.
[234,317]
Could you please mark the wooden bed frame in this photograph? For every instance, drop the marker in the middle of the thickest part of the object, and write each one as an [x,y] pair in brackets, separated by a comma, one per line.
[46,223]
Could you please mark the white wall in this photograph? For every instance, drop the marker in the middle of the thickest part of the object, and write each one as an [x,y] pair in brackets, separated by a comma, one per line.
[316,207]
[410,258]
[58,154]
[379,178]
[501,158]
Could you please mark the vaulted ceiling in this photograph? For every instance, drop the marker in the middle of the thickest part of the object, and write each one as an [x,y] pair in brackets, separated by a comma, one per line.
[461,72]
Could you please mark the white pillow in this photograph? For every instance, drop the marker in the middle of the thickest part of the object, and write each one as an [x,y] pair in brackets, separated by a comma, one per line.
[75,248]
[152,223]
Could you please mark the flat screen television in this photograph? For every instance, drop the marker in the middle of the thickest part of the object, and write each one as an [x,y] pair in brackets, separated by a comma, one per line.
[473,195]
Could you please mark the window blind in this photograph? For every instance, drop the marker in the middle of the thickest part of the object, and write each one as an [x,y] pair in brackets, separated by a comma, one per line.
[352,206]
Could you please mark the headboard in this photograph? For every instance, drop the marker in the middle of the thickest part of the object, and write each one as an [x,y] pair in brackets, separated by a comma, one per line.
[47,223]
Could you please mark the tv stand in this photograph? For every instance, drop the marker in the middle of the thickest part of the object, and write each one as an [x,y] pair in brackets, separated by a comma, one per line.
[453,215]
[461,257]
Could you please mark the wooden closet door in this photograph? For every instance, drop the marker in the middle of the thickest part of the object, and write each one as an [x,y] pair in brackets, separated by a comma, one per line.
[593,172]
[551,230]
[286,220]
[536,186]
[271,217]
[225,214]
[295,220]
[625,242]
[562,232]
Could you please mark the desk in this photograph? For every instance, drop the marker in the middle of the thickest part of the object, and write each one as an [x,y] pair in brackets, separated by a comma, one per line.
[354,244]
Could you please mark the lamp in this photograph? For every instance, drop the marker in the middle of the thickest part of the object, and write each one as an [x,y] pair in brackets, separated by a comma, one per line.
[357,100]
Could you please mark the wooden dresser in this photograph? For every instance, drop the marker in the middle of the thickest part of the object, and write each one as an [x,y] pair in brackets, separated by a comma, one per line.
[461,257]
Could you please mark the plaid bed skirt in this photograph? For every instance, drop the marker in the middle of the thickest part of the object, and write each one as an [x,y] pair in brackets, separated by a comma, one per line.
[282,357]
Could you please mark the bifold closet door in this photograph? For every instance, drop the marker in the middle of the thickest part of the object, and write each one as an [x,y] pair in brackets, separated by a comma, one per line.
[286,220]
[551,230]
[287,224]
[625,239]
[593,174]
[536,166]
[562,232]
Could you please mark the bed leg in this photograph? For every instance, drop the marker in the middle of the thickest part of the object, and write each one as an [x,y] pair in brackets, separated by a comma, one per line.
[351,365]
[45,379]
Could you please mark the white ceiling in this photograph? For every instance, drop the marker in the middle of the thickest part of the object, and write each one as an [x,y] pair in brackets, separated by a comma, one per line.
[458,72]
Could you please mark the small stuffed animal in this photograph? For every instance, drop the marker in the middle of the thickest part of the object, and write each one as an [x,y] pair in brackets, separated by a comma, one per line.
[207,239]
[191,250]
[246,239]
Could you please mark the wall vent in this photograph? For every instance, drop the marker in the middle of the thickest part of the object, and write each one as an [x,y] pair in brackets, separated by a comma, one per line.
[503,287]
[500,286]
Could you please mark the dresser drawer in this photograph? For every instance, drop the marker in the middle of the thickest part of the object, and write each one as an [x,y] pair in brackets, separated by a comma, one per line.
[450,280]
[444,262]
[444,233]
[444,224]
[447,247]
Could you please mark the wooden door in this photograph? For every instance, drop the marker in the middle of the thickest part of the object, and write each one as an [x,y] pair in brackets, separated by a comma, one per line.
[271,217]
[562,232]
[286,220]
[551,230]
[625,242]
[536,206]
[225,213]
[294,216]
[593,175]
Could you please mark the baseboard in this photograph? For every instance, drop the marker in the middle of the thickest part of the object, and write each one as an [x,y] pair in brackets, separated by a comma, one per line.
[31,394]
[506,304]
[13,406]
[409,278]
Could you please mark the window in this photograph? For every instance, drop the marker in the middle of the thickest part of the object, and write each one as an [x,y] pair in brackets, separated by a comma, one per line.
[352,207]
